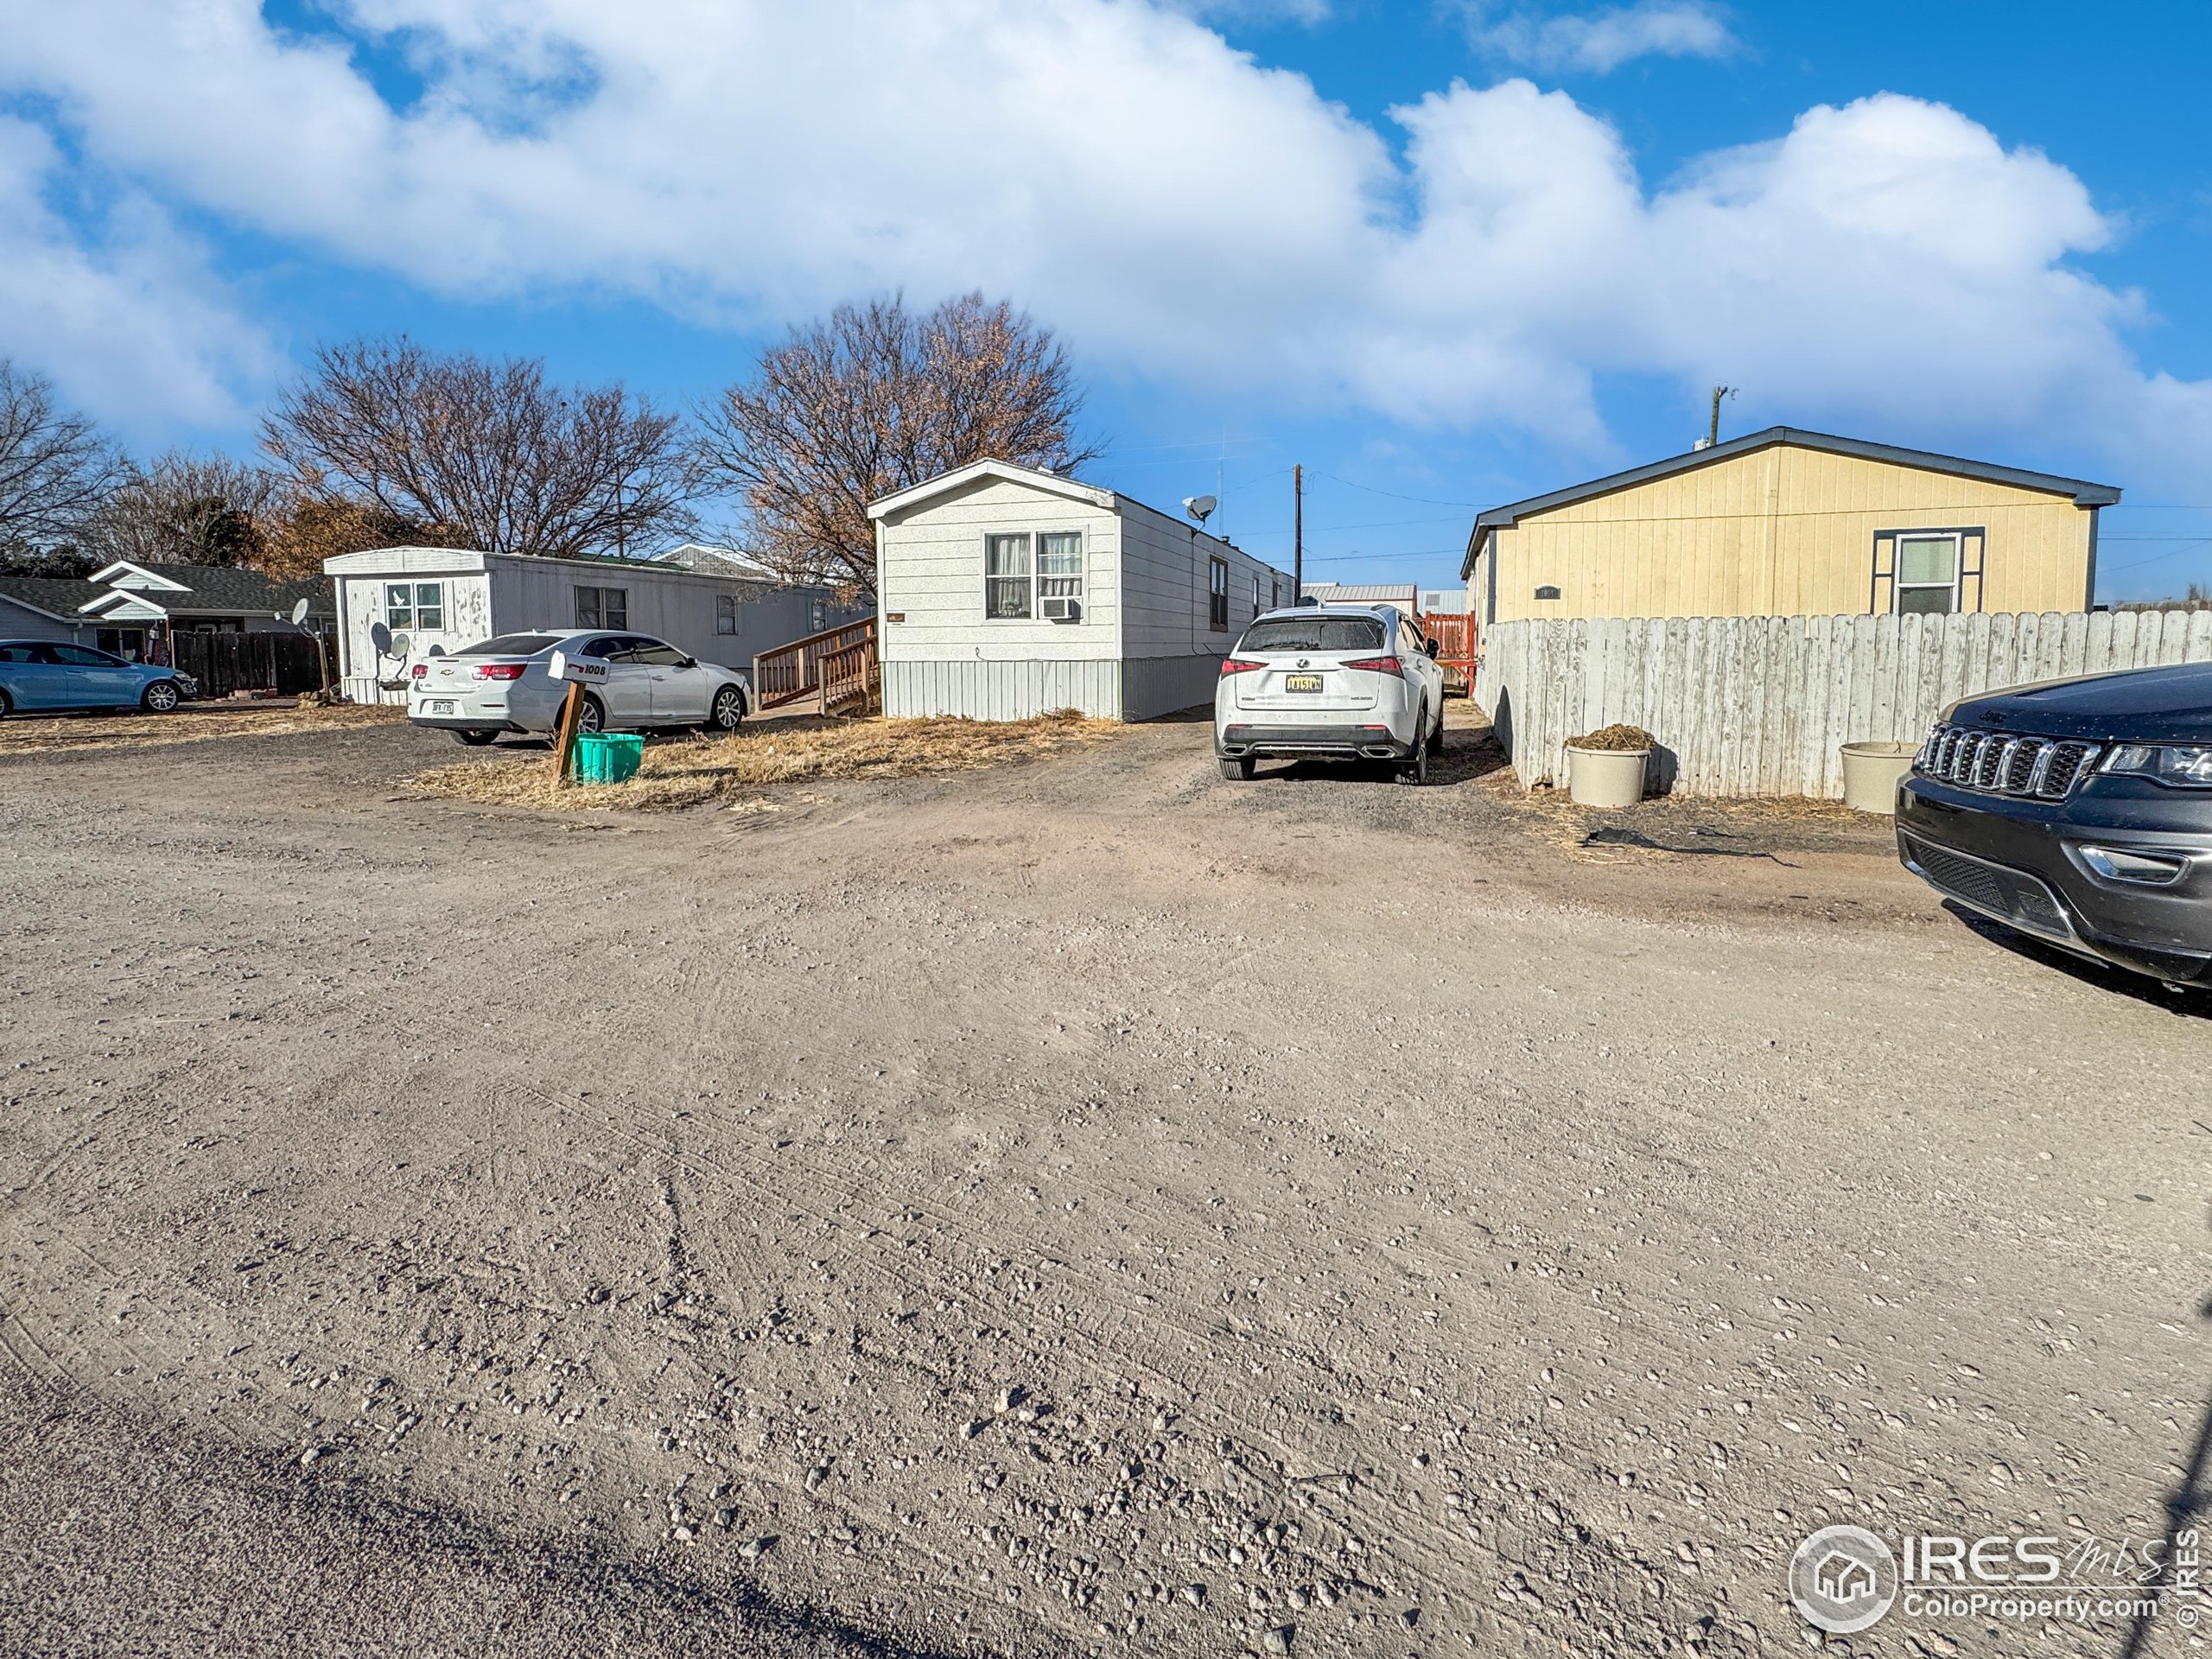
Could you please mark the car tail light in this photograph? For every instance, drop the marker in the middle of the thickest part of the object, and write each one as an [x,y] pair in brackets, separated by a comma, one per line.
[1379,665]
[500,671]
[420,670]
[1238,666]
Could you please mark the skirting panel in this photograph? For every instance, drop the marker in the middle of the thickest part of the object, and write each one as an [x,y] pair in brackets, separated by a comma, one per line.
[981,691]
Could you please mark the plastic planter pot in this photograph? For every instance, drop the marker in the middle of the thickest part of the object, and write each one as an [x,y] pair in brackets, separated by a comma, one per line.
[1606,777]
[608,758]
[1871,772]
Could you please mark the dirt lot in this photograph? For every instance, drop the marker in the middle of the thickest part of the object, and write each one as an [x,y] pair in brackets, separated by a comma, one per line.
[1080,1206]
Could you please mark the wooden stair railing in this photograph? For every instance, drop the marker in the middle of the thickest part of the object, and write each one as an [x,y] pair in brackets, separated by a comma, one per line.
[837,666]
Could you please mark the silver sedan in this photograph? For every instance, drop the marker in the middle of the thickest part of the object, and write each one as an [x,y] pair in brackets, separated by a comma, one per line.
[506,684]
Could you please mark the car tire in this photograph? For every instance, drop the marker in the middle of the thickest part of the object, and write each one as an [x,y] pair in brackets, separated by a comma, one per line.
[161,697]
[1238,771]
[7,708]
[1436,736]
[728,711]
[1413,772]
[474,739]
[591,719]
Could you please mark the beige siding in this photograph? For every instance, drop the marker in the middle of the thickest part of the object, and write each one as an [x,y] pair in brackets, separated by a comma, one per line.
[929,568]
[1782,532]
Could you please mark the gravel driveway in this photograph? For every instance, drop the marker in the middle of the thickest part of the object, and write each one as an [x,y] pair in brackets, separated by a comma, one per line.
[1083,1207]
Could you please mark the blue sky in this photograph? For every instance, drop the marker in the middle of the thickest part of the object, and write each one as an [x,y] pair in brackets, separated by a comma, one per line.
[1444,254]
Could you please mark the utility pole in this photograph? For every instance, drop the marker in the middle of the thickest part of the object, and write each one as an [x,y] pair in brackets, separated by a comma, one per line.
[1712,432]
[1298,534]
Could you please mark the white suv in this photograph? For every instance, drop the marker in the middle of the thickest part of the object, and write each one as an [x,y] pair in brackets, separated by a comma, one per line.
[1341,682]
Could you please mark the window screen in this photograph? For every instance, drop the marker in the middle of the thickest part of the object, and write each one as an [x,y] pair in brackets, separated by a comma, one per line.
[1927,574]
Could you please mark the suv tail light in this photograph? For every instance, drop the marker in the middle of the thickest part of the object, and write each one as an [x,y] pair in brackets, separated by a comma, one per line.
[420,671]
[1238,666]
[500,671]
[1379,665]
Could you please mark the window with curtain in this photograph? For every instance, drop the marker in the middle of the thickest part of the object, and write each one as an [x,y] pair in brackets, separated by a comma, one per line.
[1059,575]
[1007,582]
[602,608]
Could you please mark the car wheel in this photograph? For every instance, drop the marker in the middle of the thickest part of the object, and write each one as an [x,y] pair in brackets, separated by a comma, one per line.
[1413,772]
[1236,770]
[591,718]
[1436,737]
[6,706]
[728,712]
[474,739]
[161,697]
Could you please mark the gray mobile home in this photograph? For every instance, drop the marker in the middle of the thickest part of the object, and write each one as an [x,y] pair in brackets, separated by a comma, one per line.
[1003,591]
[443,599]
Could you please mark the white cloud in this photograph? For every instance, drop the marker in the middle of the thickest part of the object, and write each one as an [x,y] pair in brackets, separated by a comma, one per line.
[1181,211]
[1601,41]
[122,314]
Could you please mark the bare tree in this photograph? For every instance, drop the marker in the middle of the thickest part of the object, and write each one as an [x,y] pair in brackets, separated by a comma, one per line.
[187,510]
[56,467]
[873,400]
[491,452]
[311,525]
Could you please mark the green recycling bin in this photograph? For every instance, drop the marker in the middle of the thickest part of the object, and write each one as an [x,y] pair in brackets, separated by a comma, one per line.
[608,757]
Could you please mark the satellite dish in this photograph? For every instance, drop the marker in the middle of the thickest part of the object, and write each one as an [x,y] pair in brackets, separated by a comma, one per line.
[299,613]
[401,644]
[380,637]
[1200,507]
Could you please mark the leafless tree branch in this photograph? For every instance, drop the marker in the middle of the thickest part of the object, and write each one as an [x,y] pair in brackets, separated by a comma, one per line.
[875,399]
[56,467]
[490,453]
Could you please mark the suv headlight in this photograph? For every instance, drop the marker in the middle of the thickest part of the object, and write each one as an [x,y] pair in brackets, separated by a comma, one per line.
[2182,765]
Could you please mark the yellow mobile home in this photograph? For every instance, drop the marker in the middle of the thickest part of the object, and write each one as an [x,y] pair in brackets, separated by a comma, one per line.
[1786,522]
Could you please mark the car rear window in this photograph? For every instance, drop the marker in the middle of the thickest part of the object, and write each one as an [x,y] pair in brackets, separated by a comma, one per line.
[1312,634]
[512,644]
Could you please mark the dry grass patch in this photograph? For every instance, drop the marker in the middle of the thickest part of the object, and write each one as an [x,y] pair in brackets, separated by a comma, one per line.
[699,772]
[193,722]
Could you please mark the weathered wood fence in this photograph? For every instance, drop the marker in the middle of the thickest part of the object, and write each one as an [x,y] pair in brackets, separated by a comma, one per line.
[1761,705]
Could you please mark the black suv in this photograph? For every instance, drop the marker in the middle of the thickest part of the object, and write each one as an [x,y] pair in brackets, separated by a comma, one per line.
[2079,812]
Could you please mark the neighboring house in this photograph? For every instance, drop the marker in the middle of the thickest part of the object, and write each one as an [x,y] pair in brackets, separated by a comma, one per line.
[1004,592]
[135,611]
[1787,523]
[444,598]
[1403,594]
[715,562]
[47,607]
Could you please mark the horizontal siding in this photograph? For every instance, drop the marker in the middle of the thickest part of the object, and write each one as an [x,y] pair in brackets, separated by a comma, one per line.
[1165,566]
[1763,705]
[970,690]
[930,569]
[27,622]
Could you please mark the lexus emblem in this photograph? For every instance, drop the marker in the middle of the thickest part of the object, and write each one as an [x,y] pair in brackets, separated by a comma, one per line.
[1301,662]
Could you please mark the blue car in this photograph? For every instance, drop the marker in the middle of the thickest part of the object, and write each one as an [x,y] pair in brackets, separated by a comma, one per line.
[38,674]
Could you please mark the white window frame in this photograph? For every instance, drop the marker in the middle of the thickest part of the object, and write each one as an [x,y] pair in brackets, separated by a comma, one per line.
[1062,606]
[1038,605]
[1899,586]
[403,616]
[726,615]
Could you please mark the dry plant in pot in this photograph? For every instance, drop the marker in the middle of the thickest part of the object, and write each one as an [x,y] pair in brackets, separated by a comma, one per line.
[1606,767]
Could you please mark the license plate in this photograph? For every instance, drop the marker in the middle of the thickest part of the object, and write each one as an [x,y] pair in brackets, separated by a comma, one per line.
[1301,681]
[442,705]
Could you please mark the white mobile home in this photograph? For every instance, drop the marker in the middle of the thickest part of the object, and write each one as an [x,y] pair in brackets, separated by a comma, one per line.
[1003,591]
[442,599]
